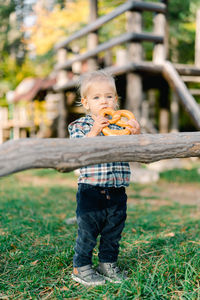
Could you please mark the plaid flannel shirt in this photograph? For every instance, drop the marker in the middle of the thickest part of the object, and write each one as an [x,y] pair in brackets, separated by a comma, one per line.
[115,174]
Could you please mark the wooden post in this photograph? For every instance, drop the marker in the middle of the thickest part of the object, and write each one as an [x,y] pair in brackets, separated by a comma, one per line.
[3,122]
[62,118]
[121,57]
[159,56]
[144,114]
[197,40]
[160,28]
[62,78]
[174,107]
[92,40]
[164,108]
[108,58]
[134,82]
[152,105]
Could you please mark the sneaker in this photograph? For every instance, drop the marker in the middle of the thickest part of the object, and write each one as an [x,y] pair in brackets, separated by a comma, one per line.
[111,272]
[87,276]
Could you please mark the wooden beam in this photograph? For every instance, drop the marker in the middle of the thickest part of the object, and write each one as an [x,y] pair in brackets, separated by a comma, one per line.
[143,67]
[129,5]
[69,154]
[124,38]
[188,70]
[184,96]
[195,92]
[191,79]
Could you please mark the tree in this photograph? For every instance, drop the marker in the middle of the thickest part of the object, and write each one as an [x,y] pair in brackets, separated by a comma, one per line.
[182,29]
[52,25]
[15,65]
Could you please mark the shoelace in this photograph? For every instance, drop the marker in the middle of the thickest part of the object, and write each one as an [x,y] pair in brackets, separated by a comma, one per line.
[114,269]
[89,272]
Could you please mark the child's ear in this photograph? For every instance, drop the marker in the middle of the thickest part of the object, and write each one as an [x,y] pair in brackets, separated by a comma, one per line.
[85,103]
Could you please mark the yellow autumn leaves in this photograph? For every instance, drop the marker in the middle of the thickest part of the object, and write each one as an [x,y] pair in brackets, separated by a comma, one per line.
[51,26]
[59,23]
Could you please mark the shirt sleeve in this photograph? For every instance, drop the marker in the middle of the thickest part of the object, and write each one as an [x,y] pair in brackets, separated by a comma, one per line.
[76,130]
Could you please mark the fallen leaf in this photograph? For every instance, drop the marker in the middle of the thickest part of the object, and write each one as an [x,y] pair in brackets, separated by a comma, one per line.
[13,246]
[170,234]
[34,263]
[64,288]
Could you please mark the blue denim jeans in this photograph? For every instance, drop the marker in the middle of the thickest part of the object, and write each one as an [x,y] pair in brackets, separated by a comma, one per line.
[100,211]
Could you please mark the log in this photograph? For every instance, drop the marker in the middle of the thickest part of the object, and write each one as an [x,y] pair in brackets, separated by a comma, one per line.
[68,154]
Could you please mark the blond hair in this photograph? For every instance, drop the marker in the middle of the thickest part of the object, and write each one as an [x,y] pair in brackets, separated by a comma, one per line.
[89,78]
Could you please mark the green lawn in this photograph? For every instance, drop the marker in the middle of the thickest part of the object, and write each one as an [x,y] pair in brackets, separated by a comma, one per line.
[160,246]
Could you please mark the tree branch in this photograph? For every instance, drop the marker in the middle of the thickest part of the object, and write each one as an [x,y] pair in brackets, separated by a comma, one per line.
[65,155]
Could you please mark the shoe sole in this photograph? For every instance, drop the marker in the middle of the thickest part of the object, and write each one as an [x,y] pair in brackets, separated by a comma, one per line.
[79,280]
[111,280]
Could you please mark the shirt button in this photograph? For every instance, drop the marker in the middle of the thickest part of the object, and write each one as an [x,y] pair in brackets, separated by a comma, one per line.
[103,192]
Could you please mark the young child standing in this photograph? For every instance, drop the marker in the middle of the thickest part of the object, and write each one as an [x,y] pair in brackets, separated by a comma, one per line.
[101,196]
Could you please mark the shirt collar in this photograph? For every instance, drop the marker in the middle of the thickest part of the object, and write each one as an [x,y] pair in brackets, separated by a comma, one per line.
[89,119]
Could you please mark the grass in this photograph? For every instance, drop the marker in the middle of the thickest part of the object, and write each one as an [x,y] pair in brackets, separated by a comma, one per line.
[160,244]
[181,175]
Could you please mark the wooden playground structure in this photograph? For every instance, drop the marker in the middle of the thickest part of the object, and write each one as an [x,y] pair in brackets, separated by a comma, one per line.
[138,80]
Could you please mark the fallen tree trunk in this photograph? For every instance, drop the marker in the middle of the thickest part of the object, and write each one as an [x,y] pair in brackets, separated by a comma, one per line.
[68,154]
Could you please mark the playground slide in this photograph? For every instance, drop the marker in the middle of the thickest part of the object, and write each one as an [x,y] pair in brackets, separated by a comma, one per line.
[184,96]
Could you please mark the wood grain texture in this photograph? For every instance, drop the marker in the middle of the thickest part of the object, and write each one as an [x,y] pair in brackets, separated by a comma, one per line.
[68,154]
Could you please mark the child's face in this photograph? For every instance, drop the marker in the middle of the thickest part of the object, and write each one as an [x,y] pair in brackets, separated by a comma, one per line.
[99,95]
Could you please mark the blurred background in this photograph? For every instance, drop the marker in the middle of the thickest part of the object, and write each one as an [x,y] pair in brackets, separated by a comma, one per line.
[39,67]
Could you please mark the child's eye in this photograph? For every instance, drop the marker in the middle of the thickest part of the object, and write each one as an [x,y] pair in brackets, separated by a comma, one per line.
[96,98]
[110,97]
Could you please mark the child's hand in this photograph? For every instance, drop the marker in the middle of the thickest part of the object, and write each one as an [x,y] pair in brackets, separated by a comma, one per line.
[135,126]
[99,123]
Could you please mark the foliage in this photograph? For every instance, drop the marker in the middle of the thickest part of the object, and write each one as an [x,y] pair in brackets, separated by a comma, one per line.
[182,29]
[15,65]
[6,11]
[159,246]
[52,25]
[180,175]
[11,73]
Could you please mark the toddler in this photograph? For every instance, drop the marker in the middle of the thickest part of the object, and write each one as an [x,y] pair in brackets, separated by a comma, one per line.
[101,195]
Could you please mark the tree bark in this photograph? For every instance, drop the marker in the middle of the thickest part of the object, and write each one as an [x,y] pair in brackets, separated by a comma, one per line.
[68,154]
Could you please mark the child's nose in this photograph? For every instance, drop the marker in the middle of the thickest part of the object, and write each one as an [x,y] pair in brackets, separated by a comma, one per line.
[104,99]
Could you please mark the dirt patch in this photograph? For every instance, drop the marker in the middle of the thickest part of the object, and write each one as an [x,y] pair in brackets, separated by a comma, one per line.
[160,193]
[164,193]
[45,181]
